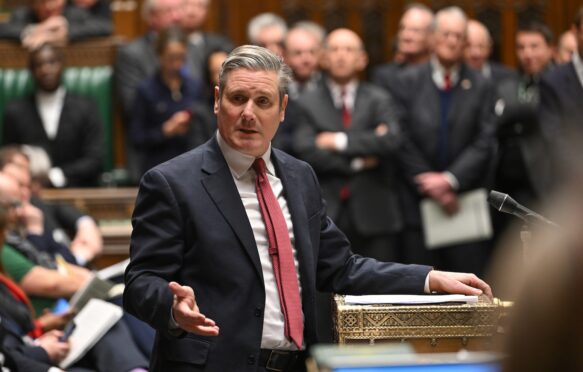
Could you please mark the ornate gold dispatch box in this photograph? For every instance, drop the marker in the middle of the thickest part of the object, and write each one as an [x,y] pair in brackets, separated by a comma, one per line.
[428,328]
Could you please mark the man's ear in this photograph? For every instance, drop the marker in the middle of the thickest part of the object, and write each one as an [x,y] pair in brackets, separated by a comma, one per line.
[283,107]
[362,61]
[217,97]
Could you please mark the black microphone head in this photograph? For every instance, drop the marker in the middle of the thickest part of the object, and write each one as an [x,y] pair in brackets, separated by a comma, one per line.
[502,202]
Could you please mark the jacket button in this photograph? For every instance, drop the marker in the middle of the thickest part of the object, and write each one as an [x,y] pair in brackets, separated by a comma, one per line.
[258,311]
[251,359]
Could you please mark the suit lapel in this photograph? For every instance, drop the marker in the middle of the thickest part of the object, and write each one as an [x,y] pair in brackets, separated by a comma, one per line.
[221,188]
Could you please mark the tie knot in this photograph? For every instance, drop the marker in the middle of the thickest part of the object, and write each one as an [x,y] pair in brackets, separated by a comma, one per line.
[260,167]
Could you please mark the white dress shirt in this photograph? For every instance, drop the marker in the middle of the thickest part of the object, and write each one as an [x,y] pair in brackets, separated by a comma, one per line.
[244,176]
[439,71]
[50,107]
[578,64]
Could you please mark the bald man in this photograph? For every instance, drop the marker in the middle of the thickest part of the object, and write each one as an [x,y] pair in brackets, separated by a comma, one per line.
[348,134]
[478,49]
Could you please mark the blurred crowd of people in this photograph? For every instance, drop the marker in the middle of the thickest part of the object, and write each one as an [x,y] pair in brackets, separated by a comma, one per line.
[438,120]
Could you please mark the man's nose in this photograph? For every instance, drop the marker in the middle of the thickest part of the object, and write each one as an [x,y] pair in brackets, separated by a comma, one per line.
[248,111]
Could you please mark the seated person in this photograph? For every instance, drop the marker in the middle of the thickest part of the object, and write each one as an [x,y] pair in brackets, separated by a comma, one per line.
[19,325]
[62,222]
[163,122]
[66,126]
[52,22]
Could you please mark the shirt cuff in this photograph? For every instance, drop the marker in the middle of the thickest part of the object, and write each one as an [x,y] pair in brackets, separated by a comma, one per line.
[57,177]
[426,288]
[173,328]
[453,182]
[341,141]
[357,164]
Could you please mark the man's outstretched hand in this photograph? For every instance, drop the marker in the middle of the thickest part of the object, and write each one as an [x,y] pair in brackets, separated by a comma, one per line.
[458,283]
[186,312]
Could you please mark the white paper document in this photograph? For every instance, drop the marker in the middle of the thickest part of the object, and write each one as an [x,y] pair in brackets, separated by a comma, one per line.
[408,299]
[471,223]
[96,318]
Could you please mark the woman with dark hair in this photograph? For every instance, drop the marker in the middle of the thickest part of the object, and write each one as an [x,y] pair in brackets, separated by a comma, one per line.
[163,125]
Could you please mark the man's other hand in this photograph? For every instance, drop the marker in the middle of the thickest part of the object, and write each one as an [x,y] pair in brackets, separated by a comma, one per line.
[458,283]
[186,312]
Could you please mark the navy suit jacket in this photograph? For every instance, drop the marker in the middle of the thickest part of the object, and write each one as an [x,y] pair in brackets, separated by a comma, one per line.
[470,131]
[190,226]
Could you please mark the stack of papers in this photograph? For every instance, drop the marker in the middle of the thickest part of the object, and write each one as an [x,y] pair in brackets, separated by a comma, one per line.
[408,299]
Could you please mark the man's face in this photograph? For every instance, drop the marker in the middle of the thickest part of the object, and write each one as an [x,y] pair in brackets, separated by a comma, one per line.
[45,9]
[413,35]
[579,36]
[10,199]
[302,53]
[344,56]
[165,13]
[271,38]
[249,111]
[194,14]
[478,46]
[567,46]
[47,69]
[22,178]
[449,39]
[533,52]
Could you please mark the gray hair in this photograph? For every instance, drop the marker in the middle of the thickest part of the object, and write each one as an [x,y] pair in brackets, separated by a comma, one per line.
[312,27]
[255,58]
[450,10]
[261,21]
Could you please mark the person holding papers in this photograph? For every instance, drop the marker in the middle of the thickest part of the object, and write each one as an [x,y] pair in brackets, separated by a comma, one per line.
[38,341]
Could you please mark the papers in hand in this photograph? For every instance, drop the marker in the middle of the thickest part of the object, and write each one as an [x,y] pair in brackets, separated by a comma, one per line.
[94,288]
[471,223]
[408,299]
[91,323]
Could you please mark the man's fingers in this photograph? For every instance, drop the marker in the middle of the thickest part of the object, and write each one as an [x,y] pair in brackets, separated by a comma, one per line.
[181,290]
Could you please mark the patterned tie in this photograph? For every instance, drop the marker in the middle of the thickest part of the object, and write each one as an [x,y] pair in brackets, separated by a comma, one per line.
[346,114]
[280,251]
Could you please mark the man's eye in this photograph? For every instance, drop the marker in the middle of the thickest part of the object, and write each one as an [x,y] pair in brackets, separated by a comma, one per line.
[263,101]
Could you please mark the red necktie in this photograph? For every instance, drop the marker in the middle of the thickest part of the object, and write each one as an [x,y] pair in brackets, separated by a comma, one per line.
[346,114]
[446,82]
[280,251]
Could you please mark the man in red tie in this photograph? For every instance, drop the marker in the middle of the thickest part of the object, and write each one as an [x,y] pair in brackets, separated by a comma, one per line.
[231,240]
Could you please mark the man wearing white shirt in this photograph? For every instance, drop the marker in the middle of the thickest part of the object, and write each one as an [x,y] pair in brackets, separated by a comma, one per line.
[68,127]
[199,271]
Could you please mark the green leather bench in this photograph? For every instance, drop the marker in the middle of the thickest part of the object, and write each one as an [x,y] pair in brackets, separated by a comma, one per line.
[95,82]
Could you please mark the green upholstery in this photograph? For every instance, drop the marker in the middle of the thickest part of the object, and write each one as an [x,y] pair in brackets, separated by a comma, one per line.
[95,82]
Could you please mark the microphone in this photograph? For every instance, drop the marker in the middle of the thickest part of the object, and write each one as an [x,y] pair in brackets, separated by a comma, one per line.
[504,203]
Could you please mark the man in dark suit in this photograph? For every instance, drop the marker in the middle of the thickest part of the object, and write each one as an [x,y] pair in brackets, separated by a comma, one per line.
[199,229]
[137,61]
[66,126]
[413,46]
[478,50]
[561,107]
[448,140]
[200,43]
[348,133]
[53,22]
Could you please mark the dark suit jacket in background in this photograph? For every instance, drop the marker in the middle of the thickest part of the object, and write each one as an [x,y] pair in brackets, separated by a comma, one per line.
[78,148]
[81,24]
[471,129]
[190,226]
[387,75]
[373,203]
[197,54]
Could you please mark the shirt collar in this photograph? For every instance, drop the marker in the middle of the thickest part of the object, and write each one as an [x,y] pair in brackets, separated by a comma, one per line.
[56,96]
[578,64]
[240,163]
[439,72]
[349,89]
